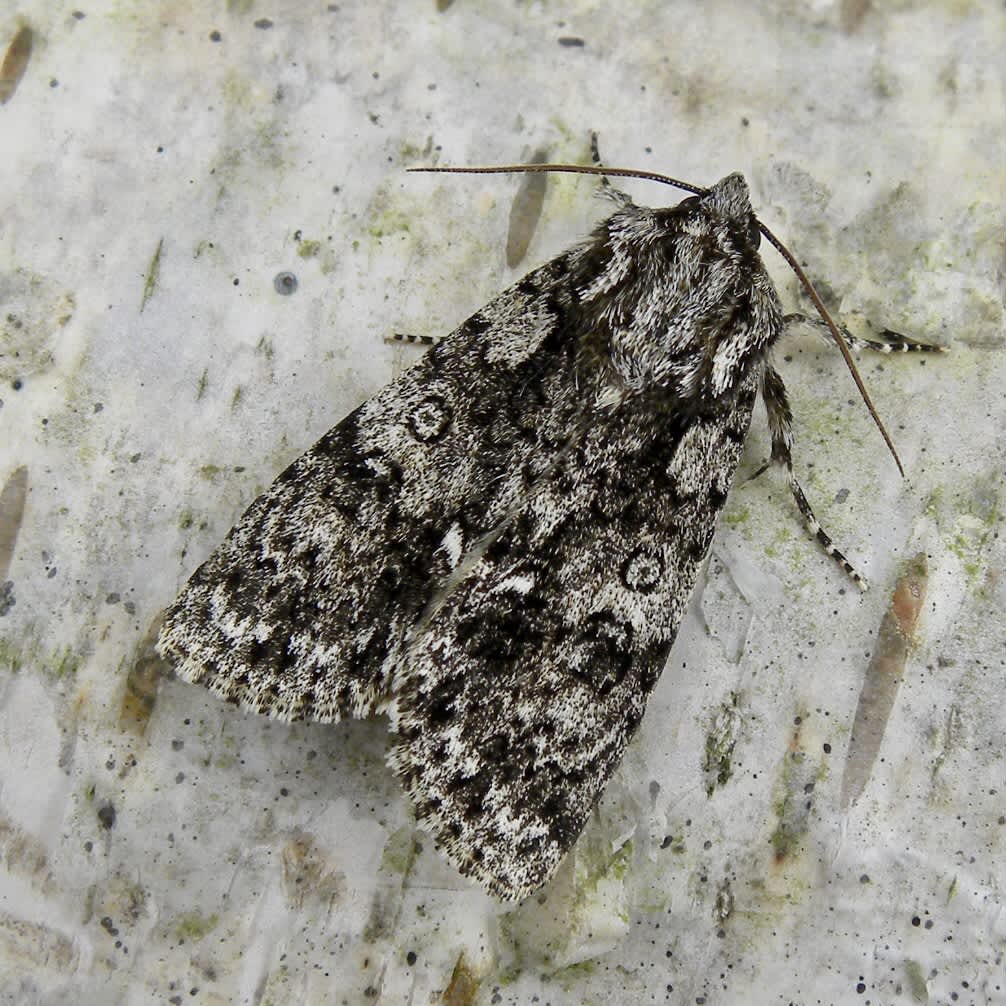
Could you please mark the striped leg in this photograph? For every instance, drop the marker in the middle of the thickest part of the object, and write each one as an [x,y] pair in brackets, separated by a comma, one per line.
[895,341]
[402,338]
[780,422]
[606,187]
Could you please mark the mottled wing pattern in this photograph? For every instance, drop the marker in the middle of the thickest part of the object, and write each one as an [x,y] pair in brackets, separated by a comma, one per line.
[300,611]
[499,546]
[517,700]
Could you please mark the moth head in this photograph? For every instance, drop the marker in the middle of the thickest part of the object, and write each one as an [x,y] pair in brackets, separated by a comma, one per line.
[729,201]
[730,197]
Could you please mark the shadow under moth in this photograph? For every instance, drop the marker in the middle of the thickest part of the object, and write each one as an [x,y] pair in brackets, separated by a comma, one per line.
[497,549]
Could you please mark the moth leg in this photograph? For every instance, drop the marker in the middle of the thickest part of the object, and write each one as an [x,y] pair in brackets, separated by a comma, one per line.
[780,422]
[609,190]
[895,341]
[405,338]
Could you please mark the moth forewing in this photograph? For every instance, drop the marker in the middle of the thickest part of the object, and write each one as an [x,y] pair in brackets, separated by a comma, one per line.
[587,424]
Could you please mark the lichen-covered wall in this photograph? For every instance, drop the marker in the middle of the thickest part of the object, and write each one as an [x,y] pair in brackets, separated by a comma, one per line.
[163,166]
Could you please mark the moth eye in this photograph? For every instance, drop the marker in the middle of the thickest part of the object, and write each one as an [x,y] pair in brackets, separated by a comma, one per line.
[689,203]
[754,233]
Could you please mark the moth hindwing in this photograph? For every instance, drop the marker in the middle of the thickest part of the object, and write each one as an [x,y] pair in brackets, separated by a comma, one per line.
[582,430]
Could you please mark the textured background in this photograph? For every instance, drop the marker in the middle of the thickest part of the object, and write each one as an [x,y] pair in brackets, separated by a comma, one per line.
[161,163]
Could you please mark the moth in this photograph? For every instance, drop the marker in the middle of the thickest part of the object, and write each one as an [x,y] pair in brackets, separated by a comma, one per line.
[497,549]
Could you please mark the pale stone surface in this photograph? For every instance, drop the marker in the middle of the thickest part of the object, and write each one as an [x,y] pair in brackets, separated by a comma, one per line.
[158,846]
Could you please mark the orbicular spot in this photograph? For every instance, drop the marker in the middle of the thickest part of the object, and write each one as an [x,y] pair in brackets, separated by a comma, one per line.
[391,578]
[311,557]
[602,653]
[430,419]
[642,571]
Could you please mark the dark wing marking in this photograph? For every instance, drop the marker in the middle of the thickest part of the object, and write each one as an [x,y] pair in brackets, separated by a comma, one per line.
[299,613]
[516,702]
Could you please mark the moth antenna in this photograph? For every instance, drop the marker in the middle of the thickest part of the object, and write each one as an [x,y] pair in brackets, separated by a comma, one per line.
[571,169]
[653,176]
[839,341]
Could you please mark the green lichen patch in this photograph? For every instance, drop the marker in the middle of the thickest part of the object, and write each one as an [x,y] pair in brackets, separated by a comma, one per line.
[11,657]
[64,663]
[736,516]
[390,220]
[399,851]
[12,500]
[915,978]
[800,774]
[34,312]
[575,974]
[307,874]
[308,248]
[721,739]
[153,269]
[193,926]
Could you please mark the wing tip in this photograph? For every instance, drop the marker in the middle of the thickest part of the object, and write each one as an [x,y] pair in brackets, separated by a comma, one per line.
[221,674]
[507,878]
